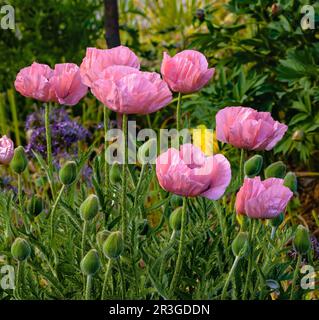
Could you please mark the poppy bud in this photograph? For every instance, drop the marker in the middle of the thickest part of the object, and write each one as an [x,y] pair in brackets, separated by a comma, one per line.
[275,170]
[113,245]
[146,150]
[290,181]
[115,173]
[67,173]
[277,221]
[176,201]
[253,166]
[302,242]
[19,161]
[102,236]
[90,264]
[240,244]
[90,207]
[298,135]
[35,206]
[175,219]
[20,249]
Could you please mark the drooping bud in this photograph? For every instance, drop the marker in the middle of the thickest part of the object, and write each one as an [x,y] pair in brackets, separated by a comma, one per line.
[277,221]
[240,244]
[298,135]
[115,173]
[113,245]
[176,201]
[147,151]
[175,219]
[302,242]
[20,249]
[35,206]
[67,173]
[252,166]
[90,207]
[275,170]
[290,181]
[19,161]
[90,264]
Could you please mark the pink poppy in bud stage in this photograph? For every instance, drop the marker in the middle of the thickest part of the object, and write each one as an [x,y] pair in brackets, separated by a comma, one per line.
[188,172]
[6,150]
[262,199]
[127,90]
[249,129]
[97,60]
[33,82]
[187,71]
[67,85]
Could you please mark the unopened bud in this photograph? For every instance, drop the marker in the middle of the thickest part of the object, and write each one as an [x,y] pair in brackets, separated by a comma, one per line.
[240,244]
[19,161]
[20,249]
[176,201]
[253,166]
[278,220]
[302,242]
[90,264]
[113,245]
[175,219]
[67,173]
[290,181]
[275,170]
[90,207]
[115,173]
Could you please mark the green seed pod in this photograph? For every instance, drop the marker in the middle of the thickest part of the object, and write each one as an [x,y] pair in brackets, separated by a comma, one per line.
[175,219]
[113,246]
[275,170]
[302,242]
[290,181]
[90,264]
[115,173]
[20,249]
[240,244]
[67,173]
[176,201]
[102,236]
[35,206]
[277,221]
[147,151]
[90,207]
[253,166]
[19,161]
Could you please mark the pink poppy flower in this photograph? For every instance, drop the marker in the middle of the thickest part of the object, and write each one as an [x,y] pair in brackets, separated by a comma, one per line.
[248,129]
[187,71]
[67,85]
[262,199]
[190,173]
[33,82]
[127,90]
[6,150]
[97,60]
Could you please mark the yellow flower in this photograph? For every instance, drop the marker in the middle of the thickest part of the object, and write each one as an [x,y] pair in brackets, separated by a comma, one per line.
[205,139]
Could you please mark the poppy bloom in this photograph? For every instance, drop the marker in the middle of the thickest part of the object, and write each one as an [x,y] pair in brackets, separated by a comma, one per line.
[127,90]
[188,172]
[97,60]
[249,129]
[6,150]
[262,199]
[187,71]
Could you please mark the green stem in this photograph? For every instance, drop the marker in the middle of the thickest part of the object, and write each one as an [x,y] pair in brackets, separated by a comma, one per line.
[17,282]
[241,166]
[106,164]
[106,278]
[178,112]
[124,180]
[49,146]
[229,277]
[180,249]
[139,183]
[273,232]
[84,232]
[294,279]
[89,282]
[20,192]
[122,278]
[221,223]
[53,212]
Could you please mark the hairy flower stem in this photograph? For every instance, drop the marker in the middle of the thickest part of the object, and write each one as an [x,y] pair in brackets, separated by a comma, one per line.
[106,278]
[89,282]
[53,211]
[119,265]
[273,232]
[17,286]
[106,164]
[222,224]
[84,232]
[233,268]
[178,112]
[124,179]
[139,183]
[294,279]
[179,261]
[241,166]
[49,147]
